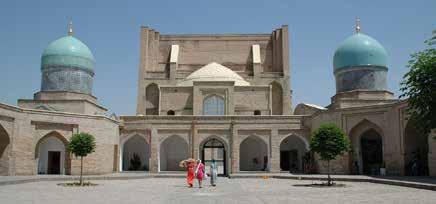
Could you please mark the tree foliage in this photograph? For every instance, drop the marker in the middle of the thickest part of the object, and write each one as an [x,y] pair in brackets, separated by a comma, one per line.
[329,141]
[82,144]
[419,86]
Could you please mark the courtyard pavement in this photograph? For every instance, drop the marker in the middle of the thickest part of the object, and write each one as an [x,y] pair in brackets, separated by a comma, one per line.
[428,183]
[174,190]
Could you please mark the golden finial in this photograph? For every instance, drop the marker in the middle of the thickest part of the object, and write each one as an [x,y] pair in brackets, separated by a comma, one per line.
[357,25]
[70,28]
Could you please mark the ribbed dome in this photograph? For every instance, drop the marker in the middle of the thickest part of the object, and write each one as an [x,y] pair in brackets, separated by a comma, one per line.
[357,50]
[67,51]
[214,72]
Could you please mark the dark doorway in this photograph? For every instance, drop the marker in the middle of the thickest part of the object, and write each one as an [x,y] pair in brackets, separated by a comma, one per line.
[416,150]
[284,160]
[289,161]
[213,150]
[54,162]
[372,152]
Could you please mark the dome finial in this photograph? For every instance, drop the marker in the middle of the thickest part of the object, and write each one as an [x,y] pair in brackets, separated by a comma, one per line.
[357,25]
[70,28]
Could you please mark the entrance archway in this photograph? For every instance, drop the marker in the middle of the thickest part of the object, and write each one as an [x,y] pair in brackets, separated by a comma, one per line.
[4,152]
[173,150]
[253,155]
[371,145]
[292,150]
[367,144]
[214,150]
[51,154]
[415,150]
[136,154]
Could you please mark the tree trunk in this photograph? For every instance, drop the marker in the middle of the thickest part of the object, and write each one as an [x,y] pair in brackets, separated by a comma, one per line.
[81,171]
[329,180]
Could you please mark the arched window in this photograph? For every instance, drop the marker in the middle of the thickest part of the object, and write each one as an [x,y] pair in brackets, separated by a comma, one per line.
[213,105]
[257,112]
[152,99]
[171,112]
[277,98]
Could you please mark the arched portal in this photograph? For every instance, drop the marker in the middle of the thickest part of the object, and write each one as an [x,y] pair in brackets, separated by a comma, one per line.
[51,154]
[4,152]
[213,150]
[292,151]
[415,150]
[366,141]
[152,100]
[253,155]
[136,154]
[277,98]
[371,146]
[173,150]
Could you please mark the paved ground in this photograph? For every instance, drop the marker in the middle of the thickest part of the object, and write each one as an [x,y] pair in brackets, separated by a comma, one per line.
[173,190]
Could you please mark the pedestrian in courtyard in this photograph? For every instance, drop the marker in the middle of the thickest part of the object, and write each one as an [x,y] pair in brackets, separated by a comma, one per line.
[189,164]
[199,172]
[213,173]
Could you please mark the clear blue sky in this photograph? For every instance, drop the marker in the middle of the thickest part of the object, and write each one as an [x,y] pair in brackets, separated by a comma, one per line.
[111,30]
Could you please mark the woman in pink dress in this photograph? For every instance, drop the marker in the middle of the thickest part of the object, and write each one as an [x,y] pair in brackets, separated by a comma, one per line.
[199,172]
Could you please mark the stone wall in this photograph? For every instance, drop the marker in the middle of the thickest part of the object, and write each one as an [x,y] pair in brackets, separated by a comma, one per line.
[388,120]
[29,126]
[178,99]
[248,99]
[231,50]
[64,101]
[229,130]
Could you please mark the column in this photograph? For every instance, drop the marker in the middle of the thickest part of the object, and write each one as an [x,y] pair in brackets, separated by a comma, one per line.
[234,149]
[275,151]
[154,151]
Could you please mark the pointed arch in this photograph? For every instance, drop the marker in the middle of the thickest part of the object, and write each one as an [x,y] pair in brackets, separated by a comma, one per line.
[51,154]
[368,148]
[152,99]
[214,148]
[135,153]
[276,98]
[4,152]
[171,151]
[415,150]
[364,125]
[252,153]
[207,139]
[292,150]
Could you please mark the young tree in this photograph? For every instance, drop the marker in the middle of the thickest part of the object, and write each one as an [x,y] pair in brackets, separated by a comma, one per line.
[328,141]
[419,85]
[81,145]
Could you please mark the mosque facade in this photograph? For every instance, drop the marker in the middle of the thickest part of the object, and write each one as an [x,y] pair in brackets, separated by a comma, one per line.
[216,97]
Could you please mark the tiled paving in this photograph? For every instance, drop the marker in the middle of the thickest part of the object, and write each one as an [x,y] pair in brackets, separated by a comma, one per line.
[174,190]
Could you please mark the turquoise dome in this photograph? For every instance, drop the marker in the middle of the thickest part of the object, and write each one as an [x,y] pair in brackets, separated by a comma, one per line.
[68,51]
[357,50]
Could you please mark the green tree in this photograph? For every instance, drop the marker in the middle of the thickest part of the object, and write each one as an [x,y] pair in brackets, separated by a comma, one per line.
[81,145]
[329,141]
[419,86]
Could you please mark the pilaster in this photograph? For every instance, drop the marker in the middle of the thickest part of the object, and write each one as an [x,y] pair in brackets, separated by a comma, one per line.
[154,150]
[275,151]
